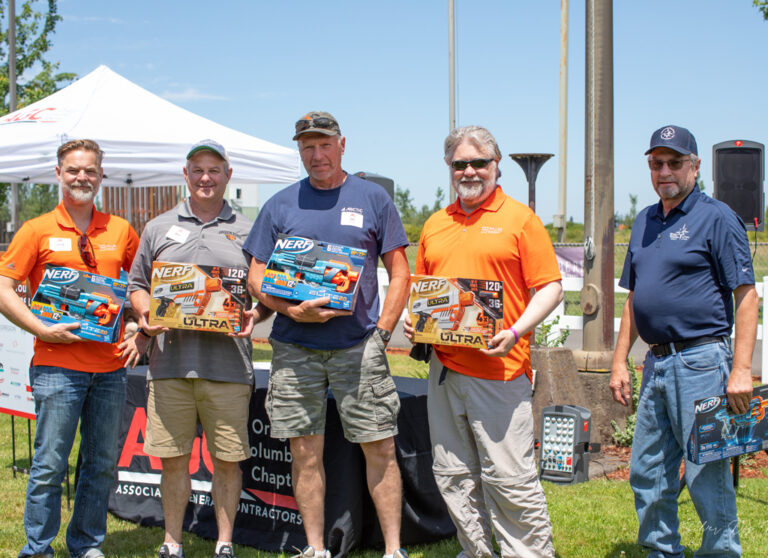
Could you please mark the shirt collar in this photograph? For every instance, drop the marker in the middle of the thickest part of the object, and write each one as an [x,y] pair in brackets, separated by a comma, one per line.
[491,203]
[225,214]
[63,219]
[684,207]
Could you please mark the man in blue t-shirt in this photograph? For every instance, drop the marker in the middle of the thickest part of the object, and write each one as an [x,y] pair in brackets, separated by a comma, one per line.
[316,347]
[688,259]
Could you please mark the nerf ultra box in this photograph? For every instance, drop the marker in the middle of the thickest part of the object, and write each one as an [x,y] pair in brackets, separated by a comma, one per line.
[96,302]
[198,297]
[717,433]
[305,269]
[455,311]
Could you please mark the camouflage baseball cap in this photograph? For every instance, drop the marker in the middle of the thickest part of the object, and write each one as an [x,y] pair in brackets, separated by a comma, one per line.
[318,122]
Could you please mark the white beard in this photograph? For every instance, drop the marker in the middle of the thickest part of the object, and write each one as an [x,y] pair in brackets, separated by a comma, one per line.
[78,193]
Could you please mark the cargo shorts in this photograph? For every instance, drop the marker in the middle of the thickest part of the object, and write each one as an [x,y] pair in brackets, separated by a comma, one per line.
[359,379]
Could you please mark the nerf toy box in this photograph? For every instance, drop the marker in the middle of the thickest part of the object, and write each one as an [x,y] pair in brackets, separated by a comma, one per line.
[305,269]
[455,311]
[717,433]
[198,297]
[96,302]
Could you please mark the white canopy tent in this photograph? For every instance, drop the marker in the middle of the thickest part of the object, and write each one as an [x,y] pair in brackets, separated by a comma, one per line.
[145,138]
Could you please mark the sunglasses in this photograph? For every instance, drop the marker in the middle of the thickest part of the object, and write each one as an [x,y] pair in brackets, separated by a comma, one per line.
[319,122]
[86,251]
[673,164]
[474,163]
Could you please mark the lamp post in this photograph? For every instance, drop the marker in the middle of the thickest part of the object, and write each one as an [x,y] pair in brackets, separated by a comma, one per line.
[531,164]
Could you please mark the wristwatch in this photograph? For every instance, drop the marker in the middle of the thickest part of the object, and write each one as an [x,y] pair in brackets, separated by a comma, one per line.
[384,334]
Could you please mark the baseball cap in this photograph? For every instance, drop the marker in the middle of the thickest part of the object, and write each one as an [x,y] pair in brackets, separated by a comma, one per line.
[208,145]
[675,138]
[318,122]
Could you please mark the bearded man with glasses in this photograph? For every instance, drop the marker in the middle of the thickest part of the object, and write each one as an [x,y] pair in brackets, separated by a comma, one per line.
[688,259]
[72,379]
[479,401]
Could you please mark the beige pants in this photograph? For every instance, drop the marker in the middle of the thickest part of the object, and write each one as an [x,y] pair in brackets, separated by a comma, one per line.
[483,461]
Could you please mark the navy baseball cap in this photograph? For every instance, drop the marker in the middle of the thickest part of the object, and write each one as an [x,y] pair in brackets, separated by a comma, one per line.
[675,138]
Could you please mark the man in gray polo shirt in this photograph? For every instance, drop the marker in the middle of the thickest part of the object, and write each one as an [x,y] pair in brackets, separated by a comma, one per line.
[196,375]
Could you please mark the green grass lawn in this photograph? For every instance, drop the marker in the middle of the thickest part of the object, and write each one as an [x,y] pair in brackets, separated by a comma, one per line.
[590,520]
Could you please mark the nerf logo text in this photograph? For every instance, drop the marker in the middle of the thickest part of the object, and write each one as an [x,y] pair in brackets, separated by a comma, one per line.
[294,244]
[171,271]
[60,275]
[428,286]
[707,405]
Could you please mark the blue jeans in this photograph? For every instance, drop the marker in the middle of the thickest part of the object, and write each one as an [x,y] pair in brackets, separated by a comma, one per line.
[62,397]
[665,415]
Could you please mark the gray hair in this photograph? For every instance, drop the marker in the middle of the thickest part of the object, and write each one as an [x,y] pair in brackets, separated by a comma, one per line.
[477,135]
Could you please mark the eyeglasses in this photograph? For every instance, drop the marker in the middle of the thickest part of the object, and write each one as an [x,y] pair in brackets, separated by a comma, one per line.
[319,122]
[673,164]
[474,163]
[86,251]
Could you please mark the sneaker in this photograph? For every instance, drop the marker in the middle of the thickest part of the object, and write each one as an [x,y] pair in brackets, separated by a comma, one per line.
[400,553]
[165,553]
[92,553]
[226,552]
[310,552]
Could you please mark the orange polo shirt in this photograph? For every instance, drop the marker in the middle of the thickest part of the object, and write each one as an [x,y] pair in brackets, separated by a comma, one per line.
[52,239]
[501,240]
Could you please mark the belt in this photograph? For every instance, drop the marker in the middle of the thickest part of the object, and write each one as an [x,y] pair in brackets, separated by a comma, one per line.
[667,349]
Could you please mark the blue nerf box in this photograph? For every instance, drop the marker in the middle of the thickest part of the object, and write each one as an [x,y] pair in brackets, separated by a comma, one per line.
[718,433]
[305,269]
[95,302]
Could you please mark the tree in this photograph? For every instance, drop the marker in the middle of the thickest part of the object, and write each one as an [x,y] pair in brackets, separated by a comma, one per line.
[762,5]
[404,204]
[33,39]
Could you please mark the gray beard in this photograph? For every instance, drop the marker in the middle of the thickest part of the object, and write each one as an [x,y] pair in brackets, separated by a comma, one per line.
[78,194]
[470,190]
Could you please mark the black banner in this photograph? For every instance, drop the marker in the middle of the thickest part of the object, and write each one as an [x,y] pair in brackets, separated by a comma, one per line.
[268,516]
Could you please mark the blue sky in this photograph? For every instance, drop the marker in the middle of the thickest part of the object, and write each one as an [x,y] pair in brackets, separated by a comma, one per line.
[382,69]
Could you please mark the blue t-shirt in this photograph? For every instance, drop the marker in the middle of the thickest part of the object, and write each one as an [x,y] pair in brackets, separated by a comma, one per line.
[683,269]
[359,214]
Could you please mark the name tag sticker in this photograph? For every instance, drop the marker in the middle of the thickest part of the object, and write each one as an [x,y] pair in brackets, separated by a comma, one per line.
[352,217]
[60,244]
[178,234]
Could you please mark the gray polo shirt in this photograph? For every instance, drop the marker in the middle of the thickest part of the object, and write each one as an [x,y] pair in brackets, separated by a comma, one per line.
[178,236]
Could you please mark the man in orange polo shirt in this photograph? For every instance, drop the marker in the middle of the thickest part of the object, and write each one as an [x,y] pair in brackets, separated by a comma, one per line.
[72,380]
[479,402]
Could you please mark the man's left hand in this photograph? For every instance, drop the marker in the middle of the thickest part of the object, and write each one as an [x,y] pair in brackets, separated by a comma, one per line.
[739,390]
[249,322]
[500,344]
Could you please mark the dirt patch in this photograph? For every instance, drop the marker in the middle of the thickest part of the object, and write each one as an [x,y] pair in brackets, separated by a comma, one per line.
[753,465]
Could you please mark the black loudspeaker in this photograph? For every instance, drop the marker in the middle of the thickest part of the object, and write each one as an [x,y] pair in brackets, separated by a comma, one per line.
[387,183]
[738,173]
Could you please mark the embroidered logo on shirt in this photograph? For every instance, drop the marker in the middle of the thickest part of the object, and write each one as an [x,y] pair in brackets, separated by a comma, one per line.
[680,234]
[490,230]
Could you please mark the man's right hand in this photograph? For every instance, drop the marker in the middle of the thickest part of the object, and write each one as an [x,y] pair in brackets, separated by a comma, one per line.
[150,331]
[309,311]
[620,383]
[60,333]
[408,328]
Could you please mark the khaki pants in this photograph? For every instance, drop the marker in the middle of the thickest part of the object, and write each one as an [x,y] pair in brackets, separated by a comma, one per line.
[483,461]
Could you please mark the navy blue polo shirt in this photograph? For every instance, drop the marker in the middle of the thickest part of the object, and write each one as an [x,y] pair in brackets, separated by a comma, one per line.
[683,269]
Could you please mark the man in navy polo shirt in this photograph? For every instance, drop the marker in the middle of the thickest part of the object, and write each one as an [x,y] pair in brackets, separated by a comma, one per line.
[688,260]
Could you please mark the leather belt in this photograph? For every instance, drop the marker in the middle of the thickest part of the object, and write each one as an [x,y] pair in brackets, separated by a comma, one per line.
[671,348]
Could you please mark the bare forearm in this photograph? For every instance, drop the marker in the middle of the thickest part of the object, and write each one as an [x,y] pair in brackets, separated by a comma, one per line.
[543,302]
[13,308]
[627,335]
[747,309]
[397,294]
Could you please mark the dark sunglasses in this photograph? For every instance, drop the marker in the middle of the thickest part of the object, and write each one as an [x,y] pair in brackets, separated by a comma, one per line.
[319,122]
[474,163]
[673,164]
[86,251]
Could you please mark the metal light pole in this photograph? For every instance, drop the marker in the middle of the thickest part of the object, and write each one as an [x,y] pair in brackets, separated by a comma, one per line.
[451,79]
[531,164]
[14,209]
[559,219]
[597,293]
